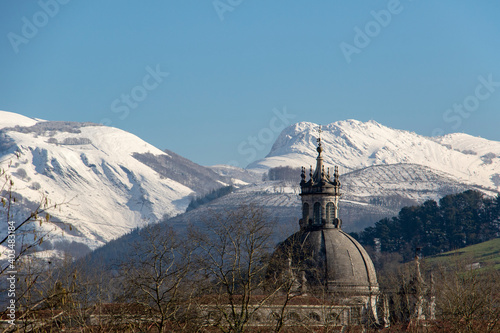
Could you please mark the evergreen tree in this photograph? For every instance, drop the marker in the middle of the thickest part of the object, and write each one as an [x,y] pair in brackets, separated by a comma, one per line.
[459,220]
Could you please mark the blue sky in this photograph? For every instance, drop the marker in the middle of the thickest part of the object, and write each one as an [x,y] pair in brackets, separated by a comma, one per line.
[212,80]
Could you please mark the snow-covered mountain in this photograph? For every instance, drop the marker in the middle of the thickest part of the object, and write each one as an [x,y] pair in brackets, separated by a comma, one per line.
[368,195]
[354,145]
[107,181]
[111,181]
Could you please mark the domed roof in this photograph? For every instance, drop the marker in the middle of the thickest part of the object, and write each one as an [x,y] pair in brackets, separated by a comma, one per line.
[332,258]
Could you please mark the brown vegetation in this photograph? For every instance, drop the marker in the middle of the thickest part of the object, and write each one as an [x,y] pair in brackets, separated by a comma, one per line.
[216,279]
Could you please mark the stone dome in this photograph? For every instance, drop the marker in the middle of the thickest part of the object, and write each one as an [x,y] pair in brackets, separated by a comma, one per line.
[330,257]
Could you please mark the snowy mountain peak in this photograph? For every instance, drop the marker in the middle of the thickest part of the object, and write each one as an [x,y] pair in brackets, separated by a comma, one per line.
[353,145]
[110,180]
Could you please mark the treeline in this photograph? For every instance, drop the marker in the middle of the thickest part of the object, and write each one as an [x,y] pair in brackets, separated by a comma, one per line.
[459,220]
[285,173]
[51,127]
[71,141]
[214,194]
[392,201]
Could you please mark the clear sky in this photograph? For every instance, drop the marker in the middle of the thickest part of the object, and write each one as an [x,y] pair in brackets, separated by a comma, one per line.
[214,80]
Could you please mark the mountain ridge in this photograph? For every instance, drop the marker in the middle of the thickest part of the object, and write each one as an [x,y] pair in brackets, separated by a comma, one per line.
[91,168]
[353,144]
[113,182]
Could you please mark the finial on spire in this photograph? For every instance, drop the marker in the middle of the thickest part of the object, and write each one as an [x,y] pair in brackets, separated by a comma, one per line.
[319,149]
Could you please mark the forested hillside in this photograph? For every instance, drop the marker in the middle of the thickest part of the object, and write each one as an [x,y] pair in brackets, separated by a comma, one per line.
[458,220]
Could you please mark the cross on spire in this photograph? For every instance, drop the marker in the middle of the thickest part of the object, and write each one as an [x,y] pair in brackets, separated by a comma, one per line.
[319,135]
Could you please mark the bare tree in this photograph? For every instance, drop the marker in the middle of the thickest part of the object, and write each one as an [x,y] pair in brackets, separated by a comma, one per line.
[156,275]
[15,226]
[406,301]
[57,295]
[234,251]
[21,238]
[442,298]
[468,300]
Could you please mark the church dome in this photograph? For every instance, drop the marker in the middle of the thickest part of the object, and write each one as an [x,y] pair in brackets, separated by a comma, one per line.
[331,258]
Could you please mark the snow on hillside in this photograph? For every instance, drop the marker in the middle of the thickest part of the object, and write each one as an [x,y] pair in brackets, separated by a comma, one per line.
[237,175]
[368,194]
[111,181]
[401,184]
[9,119]
[90,168]
[281,202]
[353,145]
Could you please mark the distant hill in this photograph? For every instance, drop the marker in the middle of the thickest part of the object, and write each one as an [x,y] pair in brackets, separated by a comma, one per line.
[486,254]
[111,181]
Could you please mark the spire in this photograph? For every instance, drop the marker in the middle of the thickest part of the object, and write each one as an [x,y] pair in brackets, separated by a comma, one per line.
[319,178]
[319,138]
[319,173]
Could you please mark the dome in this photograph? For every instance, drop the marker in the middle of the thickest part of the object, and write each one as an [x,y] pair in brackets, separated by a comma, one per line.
[331,258]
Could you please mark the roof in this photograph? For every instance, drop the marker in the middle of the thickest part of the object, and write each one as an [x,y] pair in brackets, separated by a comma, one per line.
[332,258]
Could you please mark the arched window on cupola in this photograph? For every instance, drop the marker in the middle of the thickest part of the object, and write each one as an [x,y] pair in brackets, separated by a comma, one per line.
[305,213]
[317,213]
[330,212]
